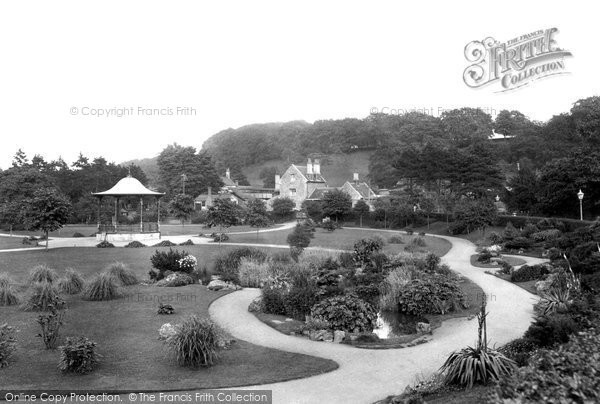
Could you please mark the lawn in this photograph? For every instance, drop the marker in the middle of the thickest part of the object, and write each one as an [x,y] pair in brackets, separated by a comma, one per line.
[343,239]
[126,331]
[13,242]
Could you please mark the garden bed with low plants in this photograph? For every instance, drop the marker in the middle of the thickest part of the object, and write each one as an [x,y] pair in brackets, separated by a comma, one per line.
[512,261]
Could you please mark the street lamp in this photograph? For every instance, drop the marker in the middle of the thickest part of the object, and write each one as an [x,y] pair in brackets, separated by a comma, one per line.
[580,196]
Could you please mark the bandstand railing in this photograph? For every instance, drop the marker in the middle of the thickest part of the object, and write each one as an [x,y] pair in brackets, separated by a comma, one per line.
[146,227]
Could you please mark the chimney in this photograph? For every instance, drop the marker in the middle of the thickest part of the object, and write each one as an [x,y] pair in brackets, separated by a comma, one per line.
[277,182]
[309,169]
[317,167]
[356,178]
[228,174]
[209,192]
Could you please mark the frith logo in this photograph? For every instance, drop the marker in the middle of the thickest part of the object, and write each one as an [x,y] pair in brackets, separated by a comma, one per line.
[515,63]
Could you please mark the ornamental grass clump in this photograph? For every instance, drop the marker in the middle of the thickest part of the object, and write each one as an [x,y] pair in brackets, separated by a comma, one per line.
[477,365]
[196,342]
[8,344]
[8,294]
[123,274]
[78,355]
[42,273]
[71,283]
[43,296]
[103,287]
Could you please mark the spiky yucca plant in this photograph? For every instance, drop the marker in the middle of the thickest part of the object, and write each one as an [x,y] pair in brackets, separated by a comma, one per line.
[123,274]
[102,287]
[476,365]
[72,283]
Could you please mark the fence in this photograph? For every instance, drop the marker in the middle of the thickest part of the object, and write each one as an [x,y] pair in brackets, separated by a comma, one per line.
[147,227]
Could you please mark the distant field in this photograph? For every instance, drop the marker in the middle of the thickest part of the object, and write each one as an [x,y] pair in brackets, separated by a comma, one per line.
[336,169]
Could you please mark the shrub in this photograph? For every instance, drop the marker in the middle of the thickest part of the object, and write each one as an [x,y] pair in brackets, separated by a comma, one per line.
[77,234]
[201,275]
[475,365]
[253,274]
[135,244]
[8,295]
[175,279]
[43,296]
[554,254]
[495,238]
[528,273]
[365,248]
[519,350]
[72,283]
[196,342]
[273,299]
[103,287]
[546,235]
[330,225]
[484,256]
[409,231]
[346,260]
[166,261]
[347,313]
[165,243]
[41,273]
[187,264]
[227,265]
[505,268]
[519,243]
[397,239]
[78,355]
[302,295]
[391,287]
[510,232]
[165,309]
[313,324]
[430,294]
[123,274]
[187,242]
[529,229]
[547,331]
[219,237]
[8,344]
[422,234]
[50,324]
[567,374]
[105,244]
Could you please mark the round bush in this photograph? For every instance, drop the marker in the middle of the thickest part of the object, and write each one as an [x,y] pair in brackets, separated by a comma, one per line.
[102,287]
[135,244]
[347,313]
[228,264]
[72,283]
[78,355]
[528,273]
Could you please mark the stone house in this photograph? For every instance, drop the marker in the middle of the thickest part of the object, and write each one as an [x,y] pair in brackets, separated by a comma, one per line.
[359,191]
[299,182]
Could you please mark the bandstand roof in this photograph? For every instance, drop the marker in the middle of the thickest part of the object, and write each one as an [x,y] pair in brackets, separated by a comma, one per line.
[128,186]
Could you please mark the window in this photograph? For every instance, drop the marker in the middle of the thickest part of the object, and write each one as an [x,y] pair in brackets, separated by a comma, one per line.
[292,177]
[293,191]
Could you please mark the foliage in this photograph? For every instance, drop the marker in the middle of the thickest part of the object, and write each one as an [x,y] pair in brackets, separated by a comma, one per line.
[519,350]
[273,298]
[283,208]
[302,294]
[165,309]
[510,232]
[364,249]
[8,294]
[396,239]
[196,342]
[392,286]
[429,294]
[546,235]
[566,374]
[418,242]
[528,273]
[484,256]
[475,214]
[519,243]
[8,344]
[78,235]
[223,213]
[135,244]
[42,273]
[336,204]
[219,237]
[361,209]
[256,214]
[167,261]
[123,274]
[47,210]
[300,237]
[227,265]
[182,206]
[175,279]
[78,355]
[105,244]
[347,313]
[495,238]
[547,331]
[43,296]
[253,274]
[165,243]
[50,324]
[187,242]
[102,287]
[71,283]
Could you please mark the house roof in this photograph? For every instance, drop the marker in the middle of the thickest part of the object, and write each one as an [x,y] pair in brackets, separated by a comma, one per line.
[363,189]
[319,193]
[315,177]
[228,182]
[128,186]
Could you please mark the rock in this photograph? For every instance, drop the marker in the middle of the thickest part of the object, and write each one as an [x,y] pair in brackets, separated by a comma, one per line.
[424,328]
[217,284]
[338,336]
[321,335]
[256,305]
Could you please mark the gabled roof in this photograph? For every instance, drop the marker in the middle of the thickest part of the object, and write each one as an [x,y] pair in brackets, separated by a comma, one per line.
[128,186]
[319,193]
[228,182]
[363,189]
[313,177]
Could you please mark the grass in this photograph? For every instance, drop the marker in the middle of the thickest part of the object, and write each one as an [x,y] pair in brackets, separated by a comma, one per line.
[344,239]
[514,261]
[134,359]
[527,285]
[7,243]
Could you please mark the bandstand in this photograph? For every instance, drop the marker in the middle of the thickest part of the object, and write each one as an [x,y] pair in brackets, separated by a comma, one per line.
[126,188]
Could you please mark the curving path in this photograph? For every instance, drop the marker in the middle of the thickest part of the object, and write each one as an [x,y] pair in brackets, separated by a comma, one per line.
[365,376]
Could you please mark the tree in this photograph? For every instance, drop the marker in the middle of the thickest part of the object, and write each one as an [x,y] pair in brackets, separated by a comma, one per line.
[267,174]
[522,192]
[426,206]
[256,215]
[586,116]
[314,209]
[465,126]
[224,214]
[361,209]
[299,239]
[382,212]
[474,214]
[48,210]
[336,204]
[283,208]
[182,206]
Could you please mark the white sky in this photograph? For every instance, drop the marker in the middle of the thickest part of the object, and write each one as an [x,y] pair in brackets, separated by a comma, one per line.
[245,62]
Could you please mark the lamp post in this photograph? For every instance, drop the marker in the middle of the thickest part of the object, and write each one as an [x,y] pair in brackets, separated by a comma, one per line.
[580,196]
